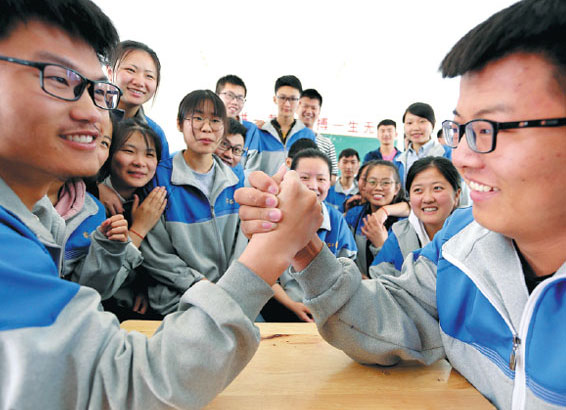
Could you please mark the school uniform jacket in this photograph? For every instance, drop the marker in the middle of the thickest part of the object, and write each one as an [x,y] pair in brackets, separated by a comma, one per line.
[58,350]
[435,150]
[465,299]
[401,241]
[196,237]
[266,152]
[89,259]
[336,195]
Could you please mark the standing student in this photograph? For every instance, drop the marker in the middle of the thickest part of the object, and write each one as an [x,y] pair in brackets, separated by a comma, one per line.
[433,185]
[313,169]
[370,221]
[346,186]
[233,92]
[386,134]
[198,234]
[53,100]
[488,292]
[136,69]
[418,122]
[268,152]
[308,112]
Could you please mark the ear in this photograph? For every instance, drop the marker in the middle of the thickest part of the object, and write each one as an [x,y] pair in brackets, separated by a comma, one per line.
[109,72]
[275,99]
[457,198]
[288,162]
[179,126]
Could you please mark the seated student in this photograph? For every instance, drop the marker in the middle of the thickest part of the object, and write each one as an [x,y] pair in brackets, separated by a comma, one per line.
[346,186]
[232,90]
[386,134]
[419,121]
[357,199]
[308,112]
[313,168]
[231,148]
[488,292]
[58,350]
[268,151]
[370,221]
[96,249]
[433,184]
[131,165]
[198,234]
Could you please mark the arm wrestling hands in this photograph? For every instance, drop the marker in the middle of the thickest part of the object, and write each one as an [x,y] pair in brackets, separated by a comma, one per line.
[281,217]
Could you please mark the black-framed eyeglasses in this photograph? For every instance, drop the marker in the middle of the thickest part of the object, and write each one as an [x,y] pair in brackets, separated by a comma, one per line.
[231,96]
[284,99]
[481,135]
[68,85]
[237,151]
[198,121]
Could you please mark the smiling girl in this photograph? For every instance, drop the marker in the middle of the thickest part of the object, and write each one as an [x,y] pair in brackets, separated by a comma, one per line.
[434,190]
[198,235]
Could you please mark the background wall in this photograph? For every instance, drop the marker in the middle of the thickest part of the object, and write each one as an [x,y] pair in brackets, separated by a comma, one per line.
[369,59]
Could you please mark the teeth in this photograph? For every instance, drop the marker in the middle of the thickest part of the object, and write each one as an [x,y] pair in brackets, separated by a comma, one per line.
[481,188]
[430,209]
[83,139]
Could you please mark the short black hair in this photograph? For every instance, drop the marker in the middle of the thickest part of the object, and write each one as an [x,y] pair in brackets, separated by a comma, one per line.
[312,94]
[299,145]
[311,153]
[195,100]
[289,81]
[387,122]
[230,79]
[235,127]
[530,26]
[125,47]
[348,152]
[81,19]
[443,165]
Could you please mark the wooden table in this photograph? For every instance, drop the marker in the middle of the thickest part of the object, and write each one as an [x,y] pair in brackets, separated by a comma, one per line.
[294,368]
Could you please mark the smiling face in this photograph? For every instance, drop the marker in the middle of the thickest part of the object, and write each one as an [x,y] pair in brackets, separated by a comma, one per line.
[133,164]
[309,110]
[45,138]
[232,95]
[287,100]
[315,175]
[136,75]
[432,199]
[518,189]
[417,129]
[236,141]
[380,186]
[386,134]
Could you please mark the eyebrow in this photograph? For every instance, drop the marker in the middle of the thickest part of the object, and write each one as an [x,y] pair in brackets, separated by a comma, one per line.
[137,68]
[500,108]
[46,56]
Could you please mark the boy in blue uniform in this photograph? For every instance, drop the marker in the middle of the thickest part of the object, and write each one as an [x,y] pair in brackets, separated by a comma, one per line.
[489,291]
[346,186]
[267,151]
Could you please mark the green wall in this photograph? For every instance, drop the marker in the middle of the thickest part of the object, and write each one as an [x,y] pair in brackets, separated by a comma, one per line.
[360,144]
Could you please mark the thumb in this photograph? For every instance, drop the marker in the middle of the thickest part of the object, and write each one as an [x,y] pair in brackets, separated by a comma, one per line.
[136,203]
[278,176]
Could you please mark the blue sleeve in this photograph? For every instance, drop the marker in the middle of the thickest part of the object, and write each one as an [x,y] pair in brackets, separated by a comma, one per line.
[390,252]
[161,134]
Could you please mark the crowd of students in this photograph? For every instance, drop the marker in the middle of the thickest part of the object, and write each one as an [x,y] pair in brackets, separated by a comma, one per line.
[94,208]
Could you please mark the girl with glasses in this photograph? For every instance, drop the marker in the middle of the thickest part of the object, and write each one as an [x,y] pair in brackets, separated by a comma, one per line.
[198,235]
[370,221]
[433,184]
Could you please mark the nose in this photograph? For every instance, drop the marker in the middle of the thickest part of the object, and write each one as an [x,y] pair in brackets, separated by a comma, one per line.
[312,185]
[463,156]
[427,196]
[206,126]
[85,111]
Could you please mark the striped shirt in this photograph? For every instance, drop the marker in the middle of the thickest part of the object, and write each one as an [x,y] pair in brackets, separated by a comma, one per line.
[326,146]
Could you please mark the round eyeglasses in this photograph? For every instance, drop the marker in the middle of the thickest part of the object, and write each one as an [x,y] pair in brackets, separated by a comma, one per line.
[68,85]
[216,124]
[237,151]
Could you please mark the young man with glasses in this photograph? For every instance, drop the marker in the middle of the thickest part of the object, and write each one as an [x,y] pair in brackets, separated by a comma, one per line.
[231,148]
[489,292]
[57,349]
[232,90]
[268,152]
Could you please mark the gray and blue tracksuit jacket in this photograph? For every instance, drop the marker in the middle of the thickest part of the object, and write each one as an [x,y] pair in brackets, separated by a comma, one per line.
[197,236]
[464,298]
[336,195]
[89,259]
[58,350]
[266,152]
[401,241]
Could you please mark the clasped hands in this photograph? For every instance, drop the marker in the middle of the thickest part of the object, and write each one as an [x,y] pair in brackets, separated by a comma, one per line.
[281,217]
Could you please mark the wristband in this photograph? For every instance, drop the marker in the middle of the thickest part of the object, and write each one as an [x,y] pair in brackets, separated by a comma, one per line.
[137,234]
